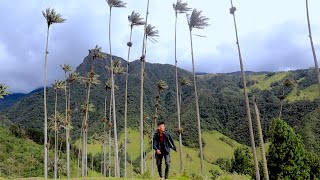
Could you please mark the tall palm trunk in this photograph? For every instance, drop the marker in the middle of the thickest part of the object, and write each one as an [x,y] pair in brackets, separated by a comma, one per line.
[312,46]
[85,135]
[68,132]
[117,165]
[67,126]
[79,151]
[197,107]
[126,108]
[110,122]
[263,154]
[177,94]
[55,138]
[45,108]
[253,146]
[142,92]
[104,142]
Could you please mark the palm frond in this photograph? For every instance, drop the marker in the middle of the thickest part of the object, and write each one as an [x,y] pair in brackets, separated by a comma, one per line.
[135,19]
[52,17]
[73,77]
[152,33]
[108,85]
[117,67]
[66,67]
[116,3]
[185,81]
[162,85]
[181,7]
[91,108]
[3,90]
[58,85]
[196,20]
[90,79]
[59,119]
[97,53]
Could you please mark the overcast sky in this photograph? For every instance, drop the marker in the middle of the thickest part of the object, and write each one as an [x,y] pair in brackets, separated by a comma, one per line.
[273,36]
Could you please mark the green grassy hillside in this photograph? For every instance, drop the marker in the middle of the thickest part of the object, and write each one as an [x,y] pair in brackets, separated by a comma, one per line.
[216,146]
[21,157]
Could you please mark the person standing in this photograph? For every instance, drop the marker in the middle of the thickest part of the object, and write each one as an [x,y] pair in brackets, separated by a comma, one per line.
[162,143]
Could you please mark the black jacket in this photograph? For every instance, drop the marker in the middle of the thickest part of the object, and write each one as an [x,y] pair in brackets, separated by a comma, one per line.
[168,141]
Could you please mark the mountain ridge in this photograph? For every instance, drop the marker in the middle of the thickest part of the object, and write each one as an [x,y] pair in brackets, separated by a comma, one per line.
[221,100]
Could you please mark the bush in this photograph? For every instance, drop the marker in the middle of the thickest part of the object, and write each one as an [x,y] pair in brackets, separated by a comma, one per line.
[215,173]
[223,163]
[242,162]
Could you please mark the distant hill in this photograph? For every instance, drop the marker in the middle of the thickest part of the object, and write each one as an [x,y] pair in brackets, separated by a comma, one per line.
[220,96]
[10,99]
[238,73]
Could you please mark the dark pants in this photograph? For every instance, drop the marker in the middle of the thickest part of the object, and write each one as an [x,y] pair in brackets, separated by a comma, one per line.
[159,158]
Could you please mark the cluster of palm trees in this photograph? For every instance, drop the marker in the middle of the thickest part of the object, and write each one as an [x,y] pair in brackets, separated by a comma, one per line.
[195,20]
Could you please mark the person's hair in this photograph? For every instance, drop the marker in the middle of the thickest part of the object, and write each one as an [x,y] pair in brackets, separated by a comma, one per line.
[160,123]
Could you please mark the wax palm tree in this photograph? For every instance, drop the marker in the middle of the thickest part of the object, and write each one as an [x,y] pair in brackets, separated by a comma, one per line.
[312,46]
[67,68]
[108,87]
[179,8]
[134,20]
[253,146]
[114,4]
[58,85]
[142,58]
[196,20]
[162,86]
[286,84]
[150,34]
[263,154]
[91,79]
[184,81]
[117,69]
[54,125]
[51,18]
[3,90]
[104,121]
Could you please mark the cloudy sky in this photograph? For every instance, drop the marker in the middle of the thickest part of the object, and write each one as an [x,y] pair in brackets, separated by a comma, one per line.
[273,36]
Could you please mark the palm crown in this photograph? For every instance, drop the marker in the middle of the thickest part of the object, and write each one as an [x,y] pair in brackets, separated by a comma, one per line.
[116,3]
[196,20]
[52,17]
[66,68]
[73,77]
[117,68]
[185,81]
[96,53]
[135,19]
[58,84]
[181,7]
[151,33]
[162,85]
[3,90]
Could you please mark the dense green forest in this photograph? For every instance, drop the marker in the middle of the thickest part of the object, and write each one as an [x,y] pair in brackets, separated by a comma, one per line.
[221,102]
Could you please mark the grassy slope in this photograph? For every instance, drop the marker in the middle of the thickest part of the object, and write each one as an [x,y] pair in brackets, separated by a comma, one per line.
[21,157]
[214,149]
[264,83]
[310,93]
